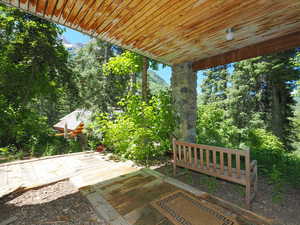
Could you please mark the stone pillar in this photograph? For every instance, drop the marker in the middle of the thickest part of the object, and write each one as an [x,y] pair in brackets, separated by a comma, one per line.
[184,93]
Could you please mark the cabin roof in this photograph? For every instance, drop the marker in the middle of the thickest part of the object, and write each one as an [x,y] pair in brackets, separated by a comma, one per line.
[74,119]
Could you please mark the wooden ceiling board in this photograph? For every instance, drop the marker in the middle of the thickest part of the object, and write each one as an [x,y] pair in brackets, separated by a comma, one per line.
[150,27]
[32,4]
[83,12]
[128,19]
[23,4]
[206,30]
[105,17]
[174,31]
[50,7]
[119,12]
[73,16]
[58,9]
[91,15]
[40,7]
[266,47]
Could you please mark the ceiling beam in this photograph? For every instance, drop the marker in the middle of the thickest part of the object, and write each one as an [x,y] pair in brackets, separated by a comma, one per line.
[266,47]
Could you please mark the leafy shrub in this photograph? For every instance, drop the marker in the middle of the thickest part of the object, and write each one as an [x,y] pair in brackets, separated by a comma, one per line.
[141,131]
[214,128]
[26,133]
[265,147]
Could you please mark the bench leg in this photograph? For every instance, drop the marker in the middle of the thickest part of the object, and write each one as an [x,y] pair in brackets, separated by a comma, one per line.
[174,169]
[255,180]
[248,195]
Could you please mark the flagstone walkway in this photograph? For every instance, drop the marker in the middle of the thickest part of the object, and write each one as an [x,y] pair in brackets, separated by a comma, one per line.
[82,169]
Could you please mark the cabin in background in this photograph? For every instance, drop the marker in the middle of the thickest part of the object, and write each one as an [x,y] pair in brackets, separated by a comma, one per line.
[73,123]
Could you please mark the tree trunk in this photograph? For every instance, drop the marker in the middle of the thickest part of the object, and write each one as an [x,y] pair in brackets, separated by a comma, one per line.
[82,142]
[145,78]
[105,52]
[276,120]
[133,83]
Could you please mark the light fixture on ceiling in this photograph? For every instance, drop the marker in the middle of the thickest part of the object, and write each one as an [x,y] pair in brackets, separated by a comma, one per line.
[229,34]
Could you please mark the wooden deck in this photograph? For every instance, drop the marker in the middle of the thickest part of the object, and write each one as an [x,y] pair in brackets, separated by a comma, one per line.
[81,168]
[126,200]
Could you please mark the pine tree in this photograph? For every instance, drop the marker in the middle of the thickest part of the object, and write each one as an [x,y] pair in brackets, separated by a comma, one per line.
[98,91]
[258,93]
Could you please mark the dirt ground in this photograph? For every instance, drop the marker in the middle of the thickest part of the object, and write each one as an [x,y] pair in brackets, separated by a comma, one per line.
[56,204]
[284,207]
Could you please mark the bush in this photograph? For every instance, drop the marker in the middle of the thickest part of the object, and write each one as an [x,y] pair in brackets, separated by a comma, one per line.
[265,147]
[141,131]
[26,133]
[214,128]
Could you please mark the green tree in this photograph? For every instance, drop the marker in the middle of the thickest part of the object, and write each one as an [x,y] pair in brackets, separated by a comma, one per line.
[131,64]
[265,85]
[34,75]
[214,86]
[258,93]
[99,88]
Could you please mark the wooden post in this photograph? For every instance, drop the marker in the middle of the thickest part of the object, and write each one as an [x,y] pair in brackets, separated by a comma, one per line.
[238,165]
[248,182]
[201,158]
[190,155]
[195,157]
[214,160]
[222,162]
[207,159]
[229,162]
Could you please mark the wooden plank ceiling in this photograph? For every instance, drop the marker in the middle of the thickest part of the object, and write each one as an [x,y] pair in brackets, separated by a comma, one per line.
[176,31]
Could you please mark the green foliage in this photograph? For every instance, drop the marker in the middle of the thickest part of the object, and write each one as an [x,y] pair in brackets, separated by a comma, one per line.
[141,131]
[33,59]
[125,64]
[97,90]
[276,181]
[214,86]
[214,128]
[265,147]
[258,92]
[250,104]
[35,77]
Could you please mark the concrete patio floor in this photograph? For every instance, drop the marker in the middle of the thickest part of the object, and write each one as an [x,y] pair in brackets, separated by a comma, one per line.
[82,169]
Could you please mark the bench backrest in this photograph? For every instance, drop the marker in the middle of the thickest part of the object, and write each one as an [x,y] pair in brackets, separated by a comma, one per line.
[212,158]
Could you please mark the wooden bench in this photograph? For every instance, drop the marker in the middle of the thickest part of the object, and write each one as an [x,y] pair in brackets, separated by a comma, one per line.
[228,164]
